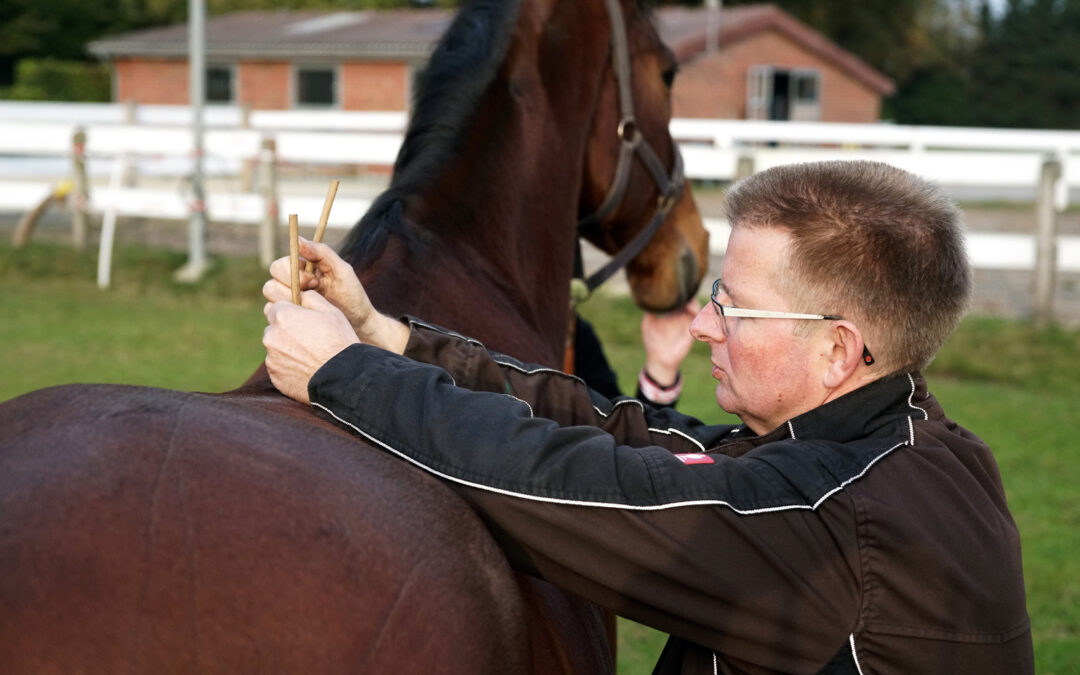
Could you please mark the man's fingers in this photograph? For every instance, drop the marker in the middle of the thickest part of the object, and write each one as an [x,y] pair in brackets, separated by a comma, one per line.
[315,252]
[272,309]
[314,300]
[324,257]
[276,291]
[276,310]
[273,290]
[279,269]
[310,249]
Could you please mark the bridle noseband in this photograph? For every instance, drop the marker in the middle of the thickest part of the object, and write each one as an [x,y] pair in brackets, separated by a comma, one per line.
[633,144]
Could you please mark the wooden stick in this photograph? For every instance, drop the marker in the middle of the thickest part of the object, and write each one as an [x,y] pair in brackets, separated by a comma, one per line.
[331,192]
[294,257]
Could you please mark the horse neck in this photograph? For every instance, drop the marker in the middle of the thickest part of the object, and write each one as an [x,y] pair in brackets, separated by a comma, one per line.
[498,223]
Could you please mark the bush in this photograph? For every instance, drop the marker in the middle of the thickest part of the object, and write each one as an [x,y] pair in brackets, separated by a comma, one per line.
[56,80]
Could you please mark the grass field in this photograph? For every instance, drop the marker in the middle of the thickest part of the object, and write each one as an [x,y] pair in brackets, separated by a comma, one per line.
[1016,386]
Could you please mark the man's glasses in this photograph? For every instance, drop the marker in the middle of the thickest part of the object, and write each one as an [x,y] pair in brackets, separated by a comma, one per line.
[724,311]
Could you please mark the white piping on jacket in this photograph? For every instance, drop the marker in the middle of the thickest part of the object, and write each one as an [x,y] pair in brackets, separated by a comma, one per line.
[615,404]
[578,502]
[854,655]
[659,507]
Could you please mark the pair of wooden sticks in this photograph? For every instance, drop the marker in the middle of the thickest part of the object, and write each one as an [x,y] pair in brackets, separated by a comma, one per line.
[294,240]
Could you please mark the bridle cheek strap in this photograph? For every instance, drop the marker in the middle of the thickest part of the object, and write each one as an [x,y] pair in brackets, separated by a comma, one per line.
[633,144]
[635,245]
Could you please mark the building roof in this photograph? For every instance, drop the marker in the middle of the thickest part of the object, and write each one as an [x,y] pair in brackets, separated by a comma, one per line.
[408,34]
[411,34]
[684,30]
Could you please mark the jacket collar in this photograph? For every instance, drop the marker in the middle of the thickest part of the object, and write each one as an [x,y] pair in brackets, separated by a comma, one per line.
[869,411]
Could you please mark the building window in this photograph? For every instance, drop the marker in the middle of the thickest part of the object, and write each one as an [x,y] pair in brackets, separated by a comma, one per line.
[316,86]
[219,84]
[783,94]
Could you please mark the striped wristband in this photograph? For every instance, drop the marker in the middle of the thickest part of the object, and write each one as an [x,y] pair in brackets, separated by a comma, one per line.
[658,393]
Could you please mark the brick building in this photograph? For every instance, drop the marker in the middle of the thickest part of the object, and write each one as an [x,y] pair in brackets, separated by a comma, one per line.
[763,64]
[279,60]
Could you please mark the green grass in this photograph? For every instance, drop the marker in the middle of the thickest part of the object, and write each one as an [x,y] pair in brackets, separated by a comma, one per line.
[1016,386]
[58,327]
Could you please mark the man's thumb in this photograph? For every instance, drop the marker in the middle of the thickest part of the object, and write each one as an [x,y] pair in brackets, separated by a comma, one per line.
[310,250]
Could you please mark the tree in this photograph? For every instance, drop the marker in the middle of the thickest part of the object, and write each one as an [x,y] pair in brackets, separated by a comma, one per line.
[58,29]
[1026,71]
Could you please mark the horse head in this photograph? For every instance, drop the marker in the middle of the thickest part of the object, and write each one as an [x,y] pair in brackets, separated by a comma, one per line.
[634,202]
[518,126]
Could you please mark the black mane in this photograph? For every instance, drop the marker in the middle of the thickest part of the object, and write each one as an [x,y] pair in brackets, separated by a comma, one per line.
[446,93]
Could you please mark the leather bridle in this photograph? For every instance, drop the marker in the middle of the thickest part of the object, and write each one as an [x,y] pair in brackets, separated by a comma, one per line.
[633,144]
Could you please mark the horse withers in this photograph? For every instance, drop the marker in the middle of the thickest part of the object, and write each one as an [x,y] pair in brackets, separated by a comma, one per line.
[148,530]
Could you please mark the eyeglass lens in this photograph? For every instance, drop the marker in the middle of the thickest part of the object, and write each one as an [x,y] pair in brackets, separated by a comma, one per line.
[717,307]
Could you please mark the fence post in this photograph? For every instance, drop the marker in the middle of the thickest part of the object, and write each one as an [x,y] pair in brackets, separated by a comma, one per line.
[1046,241]
[131,116]
[744,166]
[79,193]
[268,182]
[247,167]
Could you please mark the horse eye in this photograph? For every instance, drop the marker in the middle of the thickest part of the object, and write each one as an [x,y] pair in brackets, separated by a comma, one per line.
[669,75]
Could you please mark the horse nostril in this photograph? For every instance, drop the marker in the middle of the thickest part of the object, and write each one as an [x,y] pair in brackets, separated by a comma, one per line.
[687,275]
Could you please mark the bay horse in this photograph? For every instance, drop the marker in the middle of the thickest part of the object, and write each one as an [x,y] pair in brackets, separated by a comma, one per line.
[149,530]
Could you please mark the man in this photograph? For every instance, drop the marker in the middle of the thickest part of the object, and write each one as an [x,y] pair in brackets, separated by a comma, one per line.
[846,526]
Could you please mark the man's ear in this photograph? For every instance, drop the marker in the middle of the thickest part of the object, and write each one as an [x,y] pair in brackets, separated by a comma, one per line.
[843,354]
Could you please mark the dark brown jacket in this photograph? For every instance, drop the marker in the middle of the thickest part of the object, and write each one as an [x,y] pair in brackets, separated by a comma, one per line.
[869,535]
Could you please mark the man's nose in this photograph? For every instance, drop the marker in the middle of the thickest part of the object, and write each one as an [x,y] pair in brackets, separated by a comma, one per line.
[706,325]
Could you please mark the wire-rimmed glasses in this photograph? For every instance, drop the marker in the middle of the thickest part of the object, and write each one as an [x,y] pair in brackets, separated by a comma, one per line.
[725,311]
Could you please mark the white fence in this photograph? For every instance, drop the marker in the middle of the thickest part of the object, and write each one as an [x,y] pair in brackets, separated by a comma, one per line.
[713,149]
[36,151]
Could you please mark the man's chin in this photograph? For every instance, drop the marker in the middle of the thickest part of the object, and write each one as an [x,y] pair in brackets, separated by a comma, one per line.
[721,398]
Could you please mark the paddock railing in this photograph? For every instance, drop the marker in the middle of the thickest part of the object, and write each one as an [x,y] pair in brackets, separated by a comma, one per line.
[136,160]
[718,150]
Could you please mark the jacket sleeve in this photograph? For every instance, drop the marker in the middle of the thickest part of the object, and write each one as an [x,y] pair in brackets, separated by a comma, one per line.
[552,394]
[696,549]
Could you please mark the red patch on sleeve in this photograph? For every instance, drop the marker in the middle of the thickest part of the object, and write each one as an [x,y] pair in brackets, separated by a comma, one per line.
[694,458]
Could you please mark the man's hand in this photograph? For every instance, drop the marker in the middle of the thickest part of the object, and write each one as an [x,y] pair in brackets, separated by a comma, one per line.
[300,339]
[667,341]
[336,281]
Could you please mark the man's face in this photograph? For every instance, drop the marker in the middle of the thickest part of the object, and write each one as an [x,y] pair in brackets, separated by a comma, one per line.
[765,372]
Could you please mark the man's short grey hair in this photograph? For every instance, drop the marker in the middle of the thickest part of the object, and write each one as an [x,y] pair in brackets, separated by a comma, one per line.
[873,243]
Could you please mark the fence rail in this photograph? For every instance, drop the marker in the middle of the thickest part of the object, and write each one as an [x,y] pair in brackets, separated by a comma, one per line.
[713,149]
[37,152]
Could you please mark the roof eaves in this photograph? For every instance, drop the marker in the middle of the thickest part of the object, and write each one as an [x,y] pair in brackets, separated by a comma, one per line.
[754,19]
[829,50]
[372,50]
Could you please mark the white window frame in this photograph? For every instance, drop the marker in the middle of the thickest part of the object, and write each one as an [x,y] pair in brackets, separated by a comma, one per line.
[760,90]
[800,110]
